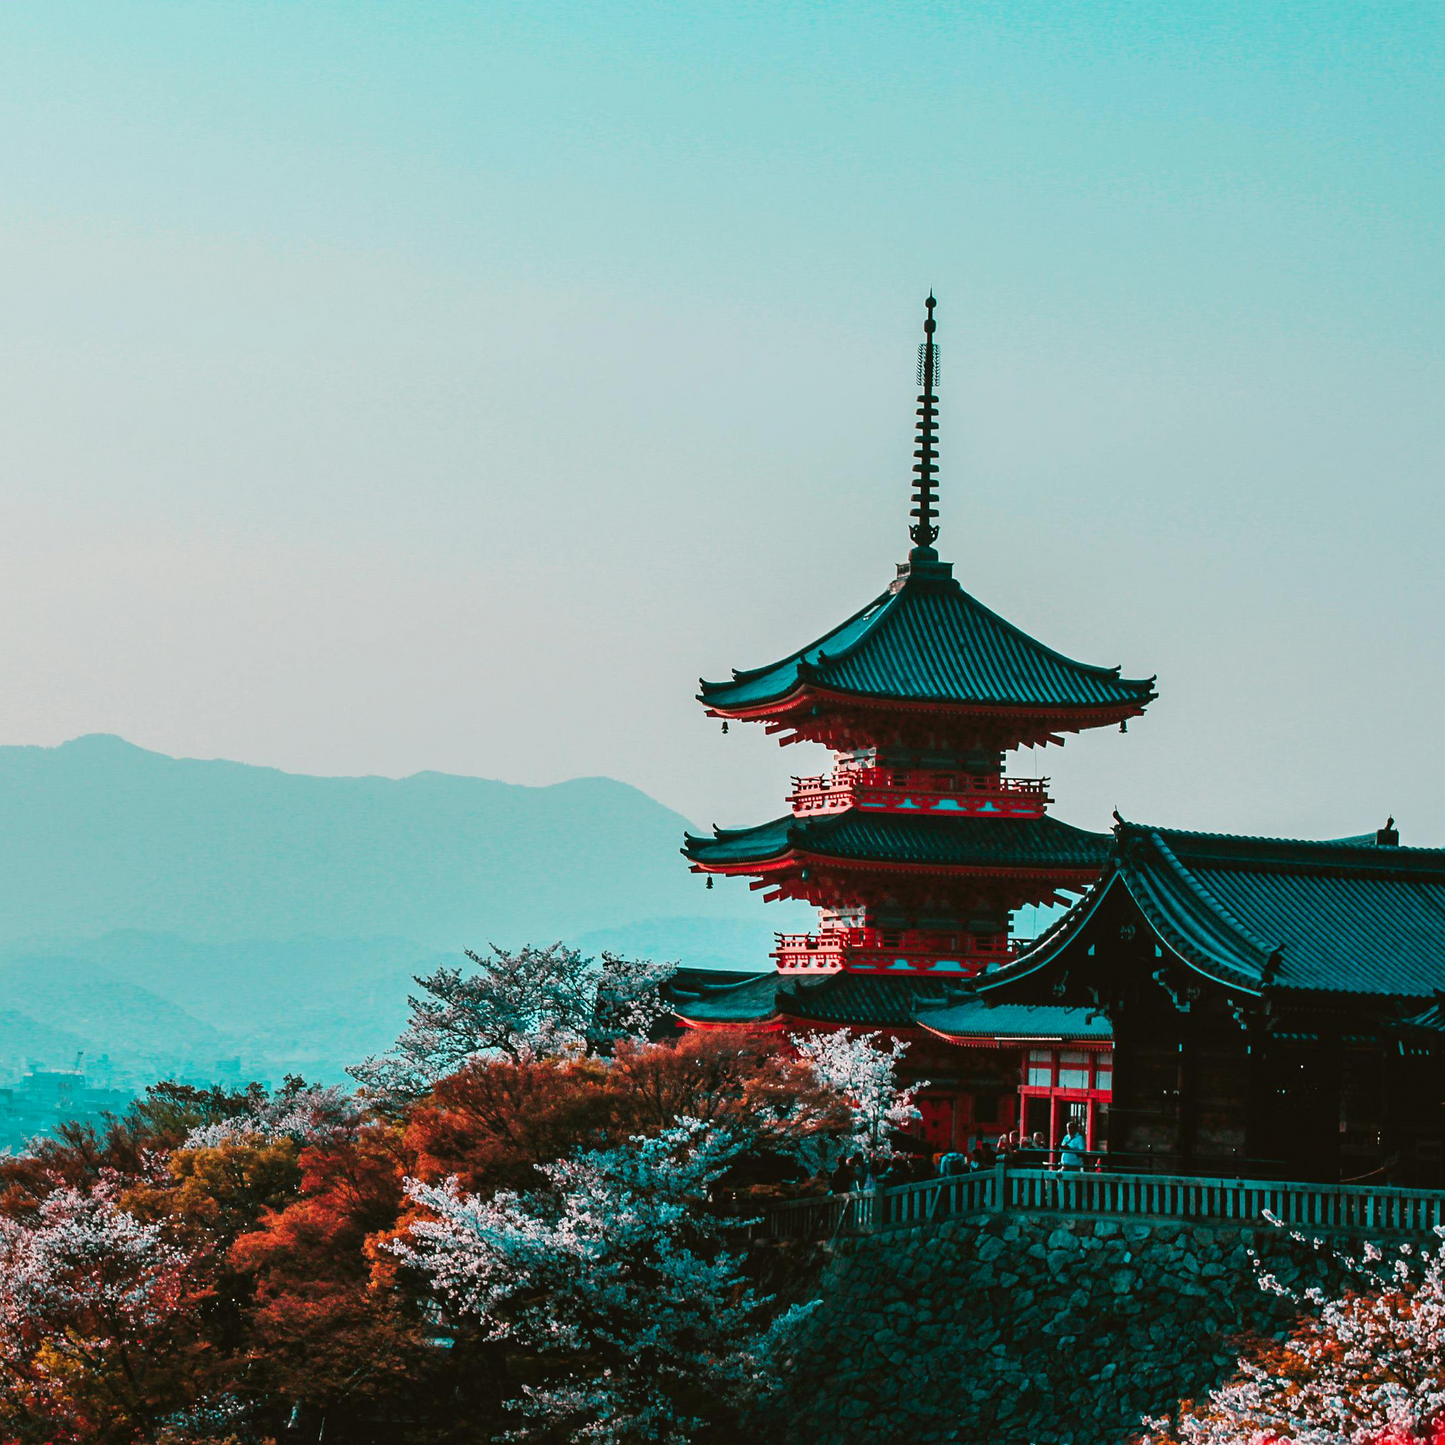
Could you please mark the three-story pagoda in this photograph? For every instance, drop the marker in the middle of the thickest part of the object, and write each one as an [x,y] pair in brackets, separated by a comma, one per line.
[918,846]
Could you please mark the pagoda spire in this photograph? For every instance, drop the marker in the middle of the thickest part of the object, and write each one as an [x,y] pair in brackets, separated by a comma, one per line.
[924,531]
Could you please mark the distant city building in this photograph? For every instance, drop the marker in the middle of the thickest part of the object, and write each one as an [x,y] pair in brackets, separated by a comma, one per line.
[47,1098]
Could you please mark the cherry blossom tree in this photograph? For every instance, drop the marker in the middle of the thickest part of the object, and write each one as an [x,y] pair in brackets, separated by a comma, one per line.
[1368,1368]
[94,1310]
[618,1277]
[527,1002]
[864,1072]
[306,1114]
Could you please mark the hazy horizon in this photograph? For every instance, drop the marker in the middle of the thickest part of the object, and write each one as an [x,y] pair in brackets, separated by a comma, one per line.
[397,390]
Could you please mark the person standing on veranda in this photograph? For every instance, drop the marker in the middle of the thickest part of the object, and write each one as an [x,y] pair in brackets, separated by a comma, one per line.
[1075,1148]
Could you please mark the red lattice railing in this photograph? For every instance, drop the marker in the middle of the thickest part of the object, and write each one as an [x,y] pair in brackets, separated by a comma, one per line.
[877,950]
[943,794]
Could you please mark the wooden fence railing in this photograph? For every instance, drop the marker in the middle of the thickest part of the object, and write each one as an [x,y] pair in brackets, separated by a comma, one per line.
[1331,1207]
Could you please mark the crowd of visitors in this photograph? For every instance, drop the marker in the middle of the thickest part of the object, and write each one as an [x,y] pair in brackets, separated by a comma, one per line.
[1023,1151]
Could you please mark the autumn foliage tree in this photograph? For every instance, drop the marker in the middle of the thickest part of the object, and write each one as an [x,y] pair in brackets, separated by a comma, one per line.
[99,1313]
[251,1267]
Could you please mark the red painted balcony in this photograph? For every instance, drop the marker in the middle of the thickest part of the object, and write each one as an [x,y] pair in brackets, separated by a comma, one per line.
[936,794]
[877,950]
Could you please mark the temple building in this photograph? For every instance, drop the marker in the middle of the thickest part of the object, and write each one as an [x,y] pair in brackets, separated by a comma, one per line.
[1275,1005]
[1212,1004]
[918,846]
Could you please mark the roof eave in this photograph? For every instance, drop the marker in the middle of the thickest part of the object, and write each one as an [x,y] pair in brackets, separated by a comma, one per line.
[1044,717]
[1060,875]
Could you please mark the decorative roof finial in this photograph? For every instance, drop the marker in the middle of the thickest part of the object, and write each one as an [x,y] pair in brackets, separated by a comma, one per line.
[925,530]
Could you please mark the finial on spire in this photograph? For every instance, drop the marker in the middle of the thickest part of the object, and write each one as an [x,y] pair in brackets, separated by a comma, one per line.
[924,531]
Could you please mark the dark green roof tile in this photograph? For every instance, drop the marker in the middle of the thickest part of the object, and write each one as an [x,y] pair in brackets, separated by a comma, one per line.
[751,1000]
[977,1019]
[900,838]
[931,641]
[865,1000]
[1347,916]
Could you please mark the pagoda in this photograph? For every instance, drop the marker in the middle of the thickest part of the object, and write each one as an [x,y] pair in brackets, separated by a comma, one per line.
[918,845]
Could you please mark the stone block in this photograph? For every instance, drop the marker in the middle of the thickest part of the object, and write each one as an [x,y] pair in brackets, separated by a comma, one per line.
[1061,1259]
[990,1247]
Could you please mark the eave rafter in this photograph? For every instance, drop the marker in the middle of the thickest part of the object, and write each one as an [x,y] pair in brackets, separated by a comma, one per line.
[826,881]
[844,721]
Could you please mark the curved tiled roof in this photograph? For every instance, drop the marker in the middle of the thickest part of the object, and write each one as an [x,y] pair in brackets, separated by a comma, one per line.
[861,999]
[978,1019]
[1348,916]
[866,1000]
[930,641]
[857,836]
[728,1001]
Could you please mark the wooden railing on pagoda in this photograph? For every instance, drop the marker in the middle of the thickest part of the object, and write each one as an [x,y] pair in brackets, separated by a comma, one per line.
[1329,1208]
[879,950]
[886,790]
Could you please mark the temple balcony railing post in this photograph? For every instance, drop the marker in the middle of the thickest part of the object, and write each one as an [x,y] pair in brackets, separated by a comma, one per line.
[935,794]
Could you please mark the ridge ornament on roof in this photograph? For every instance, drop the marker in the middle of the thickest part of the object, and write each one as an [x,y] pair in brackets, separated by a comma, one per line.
[924,531]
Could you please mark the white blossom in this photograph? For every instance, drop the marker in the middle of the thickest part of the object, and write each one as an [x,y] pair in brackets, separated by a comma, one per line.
[864,1073]
[534,1001]
[1369,1369]
[618,1275]
[309,1116]
[84,1280]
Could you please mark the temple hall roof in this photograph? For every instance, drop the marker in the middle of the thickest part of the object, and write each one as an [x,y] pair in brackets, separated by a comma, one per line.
[929,641]
[982,1021]
[865,1001]
[856,836]
[1349,916]
[730,998]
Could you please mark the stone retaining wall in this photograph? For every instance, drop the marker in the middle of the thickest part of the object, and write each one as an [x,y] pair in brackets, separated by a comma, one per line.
[1028,1330]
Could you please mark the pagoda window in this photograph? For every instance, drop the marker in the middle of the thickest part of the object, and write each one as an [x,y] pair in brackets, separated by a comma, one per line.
[1073,1069]
[1041,1068]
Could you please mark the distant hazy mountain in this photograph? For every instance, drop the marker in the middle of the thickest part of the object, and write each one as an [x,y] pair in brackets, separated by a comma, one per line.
[698,942]
[98,835]
[173,913]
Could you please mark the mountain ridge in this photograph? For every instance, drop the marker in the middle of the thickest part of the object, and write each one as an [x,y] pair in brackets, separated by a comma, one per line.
[98,835]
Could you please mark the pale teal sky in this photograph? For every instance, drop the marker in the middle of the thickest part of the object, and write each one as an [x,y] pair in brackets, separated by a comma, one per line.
[403,386]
